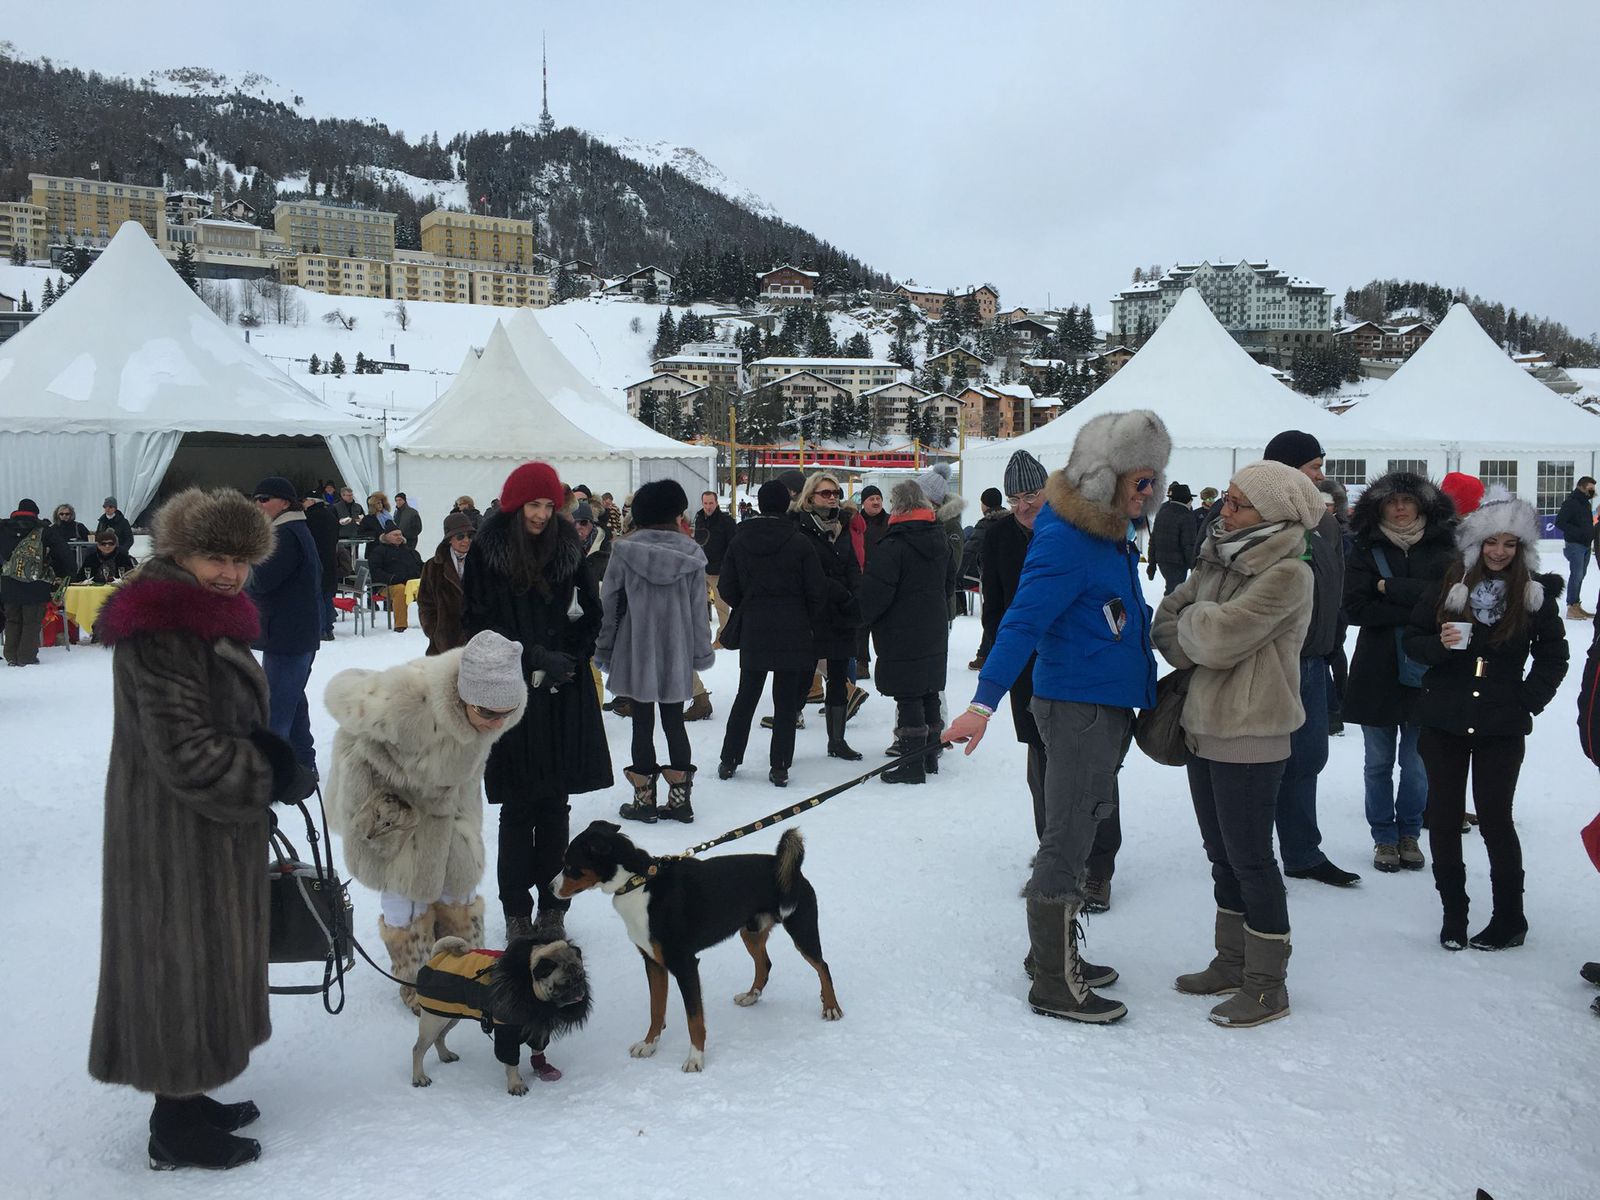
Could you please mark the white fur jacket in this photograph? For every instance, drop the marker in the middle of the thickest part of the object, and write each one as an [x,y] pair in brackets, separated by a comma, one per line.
[405,794]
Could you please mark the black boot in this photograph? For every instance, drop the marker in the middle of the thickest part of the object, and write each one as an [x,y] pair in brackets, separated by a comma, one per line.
[1452,885]
[1507,927]
[680,786]
[181,1136]
[837,746]
[643,805]
[930,760]
[908,740]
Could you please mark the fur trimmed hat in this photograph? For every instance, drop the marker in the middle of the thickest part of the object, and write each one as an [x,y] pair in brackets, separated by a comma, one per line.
[1281,493]
[219,522]
[1115,442]
[1500,512]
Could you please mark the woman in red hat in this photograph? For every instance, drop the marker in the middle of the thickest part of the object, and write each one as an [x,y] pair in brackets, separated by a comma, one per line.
[527,580]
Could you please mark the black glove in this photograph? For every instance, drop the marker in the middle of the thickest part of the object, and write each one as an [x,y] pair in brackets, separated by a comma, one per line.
[558,668]
[1150,571]
[291,782]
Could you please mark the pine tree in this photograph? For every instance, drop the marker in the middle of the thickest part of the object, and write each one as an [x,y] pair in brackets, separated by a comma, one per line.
[650,409]
[336,367]
[185,267]
[316,365]
[26,305]
[1513,330]
[361,363]
[856,346]
[666,336]
[19,255]
[49,296]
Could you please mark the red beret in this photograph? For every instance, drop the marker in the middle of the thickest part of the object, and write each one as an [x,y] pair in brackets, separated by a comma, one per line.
[530,481]
[1465,490]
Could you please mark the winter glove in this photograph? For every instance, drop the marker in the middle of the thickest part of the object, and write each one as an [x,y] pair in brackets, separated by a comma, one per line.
[1150,571]
[558,668]
[291,782]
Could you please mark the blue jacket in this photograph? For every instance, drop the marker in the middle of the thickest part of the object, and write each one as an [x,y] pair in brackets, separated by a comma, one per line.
[1079,560]
[287,588]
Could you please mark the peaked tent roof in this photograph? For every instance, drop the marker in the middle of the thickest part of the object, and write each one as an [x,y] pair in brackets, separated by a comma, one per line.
[1460,384]
[130,347]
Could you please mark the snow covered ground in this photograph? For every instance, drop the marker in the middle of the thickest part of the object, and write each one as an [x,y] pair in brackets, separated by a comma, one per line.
[1404,1071]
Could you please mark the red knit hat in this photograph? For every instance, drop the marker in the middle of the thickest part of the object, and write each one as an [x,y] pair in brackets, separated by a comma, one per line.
[530,481]
[1465,490]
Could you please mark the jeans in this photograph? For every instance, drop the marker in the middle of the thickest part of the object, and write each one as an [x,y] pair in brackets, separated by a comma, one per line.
[1173,576]
[1299,839]
[1394,814]
[1234,802]
[289,716]
[1495,763]
[1577,567]
[1084,746]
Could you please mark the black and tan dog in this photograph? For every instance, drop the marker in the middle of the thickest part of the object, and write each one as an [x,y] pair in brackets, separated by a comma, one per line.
[525,995]
[687,904]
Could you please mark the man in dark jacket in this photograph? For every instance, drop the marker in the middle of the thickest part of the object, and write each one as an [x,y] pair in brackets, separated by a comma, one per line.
[1208,511]
[32,560]
[994,510]
[408,518]
[324,527]
[394,564]
[713,530]
[349,512]
[1174,538]
[876,521]
[111,518]
[287,588]
[1575,520]
[1299,838]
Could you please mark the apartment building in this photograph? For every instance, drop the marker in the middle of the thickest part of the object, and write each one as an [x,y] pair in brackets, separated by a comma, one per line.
[22,224]
[933,302]
[892,404]
[788,284]
[945,409]
[855,375]
[1372,340]
[662,384]
[88,212]
[1261,306]
[948,360]
[336,275]
[510,289]
[222,249]
[701,369]
[311,226]
[478,239]
[418,275]
[807,392]
[996,410]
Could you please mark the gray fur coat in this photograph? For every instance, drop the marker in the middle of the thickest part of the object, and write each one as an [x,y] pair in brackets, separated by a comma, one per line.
[405,794]
[656,633]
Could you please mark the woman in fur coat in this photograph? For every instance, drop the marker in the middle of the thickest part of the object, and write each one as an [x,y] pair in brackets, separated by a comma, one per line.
[1478,701]
[183,934]
[1239,622]
[1404,533]
[405,794]
[526,580]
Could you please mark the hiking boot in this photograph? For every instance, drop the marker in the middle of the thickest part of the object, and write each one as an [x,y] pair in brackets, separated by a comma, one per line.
[1451,883]
[1262,996]
[643,805]
[1576,612]
[1386,857]
[1059,987]
[854,698]
[1225,972]
[1096,895]
[181,1136]
[837,746]
[1507,926]
[679,790]
[768,722]
[549,926]
[908,741]
[699,708]
[1326,872]
[1411,854]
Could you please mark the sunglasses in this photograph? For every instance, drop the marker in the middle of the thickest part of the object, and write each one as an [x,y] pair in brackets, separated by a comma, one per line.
[827,493]
[263,499]
[583,523]
[460,537]
[1146,484]
[492,714]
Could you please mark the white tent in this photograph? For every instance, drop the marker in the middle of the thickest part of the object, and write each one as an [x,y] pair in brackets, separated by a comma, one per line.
[97,394]
[1219,406]
[500,414]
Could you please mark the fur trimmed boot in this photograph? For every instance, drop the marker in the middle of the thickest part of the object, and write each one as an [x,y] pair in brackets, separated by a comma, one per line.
[680,786]
[181,1135]
[1225,972]
[907,741]
[1507,926]
[837,746]
[1262,994]
[1059,987]
[408,947]
[464,921]
[643,805]
[1451,883]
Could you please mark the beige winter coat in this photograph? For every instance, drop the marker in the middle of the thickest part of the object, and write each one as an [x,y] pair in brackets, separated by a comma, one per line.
[405,792]
[1241,624]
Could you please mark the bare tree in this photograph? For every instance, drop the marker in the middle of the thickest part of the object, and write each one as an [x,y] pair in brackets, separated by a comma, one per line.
[337,317]
[401,315]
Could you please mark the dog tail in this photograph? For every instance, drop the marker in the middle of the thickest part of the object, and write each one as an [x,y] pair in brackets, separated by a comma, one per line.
[453,945]
[791,853]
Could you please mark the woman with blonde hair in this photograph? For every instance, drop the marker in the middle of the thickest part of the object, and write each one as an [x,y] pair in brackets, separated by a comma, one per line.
[819,515]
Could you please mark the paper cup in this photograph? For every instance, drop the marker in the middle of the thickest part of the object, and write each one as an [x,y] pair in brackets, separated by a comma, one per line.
[1466,633]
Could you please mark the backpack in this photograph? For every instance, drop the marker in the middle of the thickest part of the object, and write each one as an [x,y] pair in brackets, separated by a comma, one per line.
[27,562]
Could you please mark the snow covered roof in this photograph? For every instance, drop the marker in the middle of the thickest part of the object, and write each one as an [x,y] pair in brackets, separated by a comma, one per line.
[1044,364]
[663,375]
[957,350]
[1017,391]
[787,267]
[884,387]
[807,363]
[131,347]
[798,374]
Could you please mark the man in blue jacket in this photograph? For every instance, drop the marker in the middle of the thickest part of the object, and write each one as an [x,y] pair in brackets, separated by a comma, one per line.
[287,588]
[1081,607]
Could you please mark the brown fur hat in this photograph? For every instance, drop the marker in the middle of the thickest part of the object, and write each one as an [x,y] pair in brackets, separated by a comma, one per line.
[219,522]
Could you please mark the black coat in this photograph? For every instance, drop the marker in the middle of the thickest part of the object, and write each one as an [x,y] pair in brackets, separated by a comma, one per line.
[773,581]
[833,629]
[903,599]
[972,550]
[559,747]
[393,564]
[102,568]
[1503,695]
[876,527]
[116,521]
[349,514]
[324,527]
[1575,518]
[1374,694]
[1589,699]
[1004,553]
[1174,536]
[410,522]
[713,535]
[57,557]
[287,588]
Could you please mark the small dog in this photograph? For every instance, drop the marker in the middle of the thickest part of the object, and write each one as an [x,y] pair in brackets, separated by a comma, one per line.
[689,904]
[527,994]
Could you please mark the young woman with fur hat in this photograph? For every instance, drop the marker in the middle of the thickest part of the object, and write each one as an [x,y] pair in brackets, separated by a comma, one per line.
[1081,607]
[526,579]
[193,769]
[1239,622]
[1483,687]
[1403,528]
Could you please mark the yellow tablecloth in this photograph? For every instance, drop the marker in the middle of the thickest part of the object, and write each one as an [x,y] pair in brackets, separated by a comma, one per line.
[413,586]
[83,602]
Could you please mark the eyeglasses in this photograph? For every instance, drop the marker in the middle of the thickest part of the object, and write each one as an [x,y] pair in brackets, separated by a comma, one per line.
[1146,484]
[1024,497]
[491,714]
[263,499]
[1229,502]
[461,537]
[826,493]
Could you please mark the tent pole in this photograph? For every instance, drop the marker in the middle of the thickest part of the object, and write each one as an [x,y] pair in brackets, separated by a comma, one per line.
[111,453]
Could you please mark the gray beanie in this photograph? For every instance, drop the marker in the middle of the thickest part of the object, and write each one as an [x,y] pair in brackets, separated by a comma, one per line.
[1024,473]
[935,483]
[491,672]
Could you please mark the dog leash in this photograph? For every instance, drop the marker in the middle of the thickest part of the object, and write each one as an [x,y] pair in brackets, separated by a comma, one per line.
[783,814]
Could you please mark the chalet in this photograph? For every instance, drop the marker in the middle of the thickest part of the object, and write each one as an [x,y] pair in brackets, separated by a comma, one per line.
[643,282]
[806,392]
[892,404]
[239,210]
[1111,360]
[1030,329]
[946,361]
[933,302]
[1375,341]
[788,284]
[1366,337]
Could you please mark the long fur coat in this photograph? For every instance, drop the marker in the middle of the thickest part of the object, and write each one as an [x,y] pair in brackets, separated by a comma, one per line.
[183,942]
[405,790]
[655,635]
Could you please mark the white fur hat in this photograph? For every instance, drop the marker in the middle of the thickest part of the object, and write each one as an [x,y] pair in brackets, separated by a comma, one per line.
[1115,442]
[1500,512]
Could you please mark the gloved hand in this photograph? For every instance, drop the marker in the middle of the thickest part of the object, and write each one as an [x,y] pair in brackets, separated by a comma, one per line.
[1150,571]
[558,667]
[291,782]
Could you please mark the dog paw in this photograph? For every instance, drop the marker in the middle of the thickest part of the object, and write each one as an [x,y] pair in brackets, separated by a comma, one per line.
[643,1049]
[695,1063]
[421,1081]
[448,1055]
[746,999]
[832,1014]
[517,1089]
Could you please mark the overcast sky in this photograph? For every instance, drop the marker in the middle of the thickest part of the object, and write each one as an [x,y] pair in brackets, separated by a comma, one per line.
[1048,148]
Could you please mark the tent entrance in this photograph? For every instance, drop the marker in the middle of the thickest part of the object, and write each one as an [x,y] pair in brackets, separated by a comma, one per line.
[213,460]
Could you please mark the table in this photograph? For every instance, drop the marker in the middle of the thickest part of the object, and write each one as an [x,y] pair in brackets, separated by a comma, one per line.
[83,602]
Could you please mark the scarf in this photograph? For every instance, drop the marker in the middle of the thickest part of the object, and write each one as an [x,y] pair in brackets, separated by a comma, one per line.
[912,514]
[828,525]
[1404,536]
[1230,545]
[1488,601]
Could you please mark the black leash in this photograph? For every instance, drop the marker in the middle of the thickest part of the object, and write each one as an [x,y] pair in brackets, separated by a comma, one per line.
[333,967]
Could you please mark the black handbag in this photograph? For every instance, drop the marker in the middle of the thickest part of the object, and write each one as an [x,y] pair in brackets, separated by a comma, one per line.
[310,914]
[1159,730]
[733,632]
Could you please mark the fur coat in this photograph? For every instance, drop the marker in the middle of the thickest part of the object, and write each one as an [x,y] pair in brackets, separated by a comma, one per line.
[439,602]
[405,794]
[655,634]
[183,943]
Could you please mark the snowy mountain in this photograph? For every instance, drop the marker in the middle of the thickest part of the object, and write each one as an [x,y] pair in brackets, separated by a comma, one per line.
[202,81]
[691,164]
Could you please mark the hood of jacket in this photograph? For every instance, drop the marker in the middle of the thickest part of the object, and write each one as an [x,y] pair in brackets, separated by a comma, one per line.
[1437,509]
[765,536]
[1072,506]
[494,538]
[925,538]
[953,507]
[661,556]
[409,706]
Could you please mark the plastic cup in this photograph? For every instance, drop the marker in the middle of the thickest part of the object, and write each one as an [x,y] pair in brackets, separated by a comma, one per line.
[1466,633]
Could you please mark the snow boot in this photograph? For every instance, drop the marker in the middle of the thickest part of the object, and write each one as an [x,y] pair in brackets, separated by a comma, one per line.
[1096,895]
[1262,996]
[726,768]
[769,722]
[181,1136]
[907,741]
[930,760]
[1411,857]
[226,1117]
[1059,986]
[778,776]
[1451,883]
[1225,972]
[549,926]
[837,746]
[408,947]
[643,805]
[854,698]
[518,927]
[1590,973]
[464,921]
[699,708]
[679,790]
[1507,926]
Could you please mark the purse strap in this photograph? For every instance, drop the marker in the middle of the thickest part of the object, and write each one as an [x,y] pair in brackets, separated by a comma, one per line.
[340,935]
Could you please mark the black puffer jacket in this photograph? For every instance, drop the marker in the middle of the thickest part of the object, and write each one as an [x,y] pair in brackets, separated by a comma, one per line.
[1502,695]
[833,630]
[903,600]
[772,579]
[1174,536]
[1374,694]
[1004,554]
[324,527]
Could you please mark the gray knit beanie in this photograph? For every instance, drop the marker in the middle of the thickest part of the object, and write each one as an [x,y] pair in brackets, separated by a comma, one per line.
[1281,493]
[1024,473]
[491,672]
[935,483]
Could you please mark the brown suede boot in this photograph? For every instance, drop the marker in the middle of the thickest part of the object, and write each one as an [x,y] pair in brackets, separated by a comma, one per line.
[1262,994]
[408,947]
[1226,972]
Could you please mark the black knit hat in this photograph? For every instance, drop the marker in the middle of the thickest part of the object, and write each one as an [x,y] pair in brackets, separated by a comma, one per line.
[659,502]
[870,491]
[772,499]
[277,487]
[27,506]
[992,498]
[1293,448]
[794,480]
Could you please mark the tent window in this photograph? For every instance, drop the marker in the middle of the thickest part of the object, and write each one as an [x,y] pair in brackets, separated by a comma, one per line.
[1498,470]
[1416,466]
[1347,471]
[1555,484]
